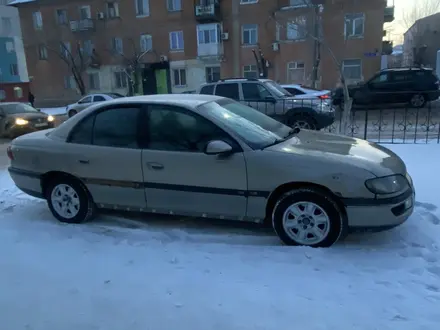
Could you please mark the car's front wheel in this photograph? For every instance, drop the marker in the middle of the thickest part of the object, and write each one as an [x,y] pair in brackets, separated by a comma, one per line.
[69,201]
[72,113]
[309,217]
[302,122]
[418,101]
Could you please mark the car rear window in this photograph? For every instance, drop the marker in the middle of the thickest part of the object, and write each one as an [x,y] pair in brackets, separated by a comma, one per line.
[208,90]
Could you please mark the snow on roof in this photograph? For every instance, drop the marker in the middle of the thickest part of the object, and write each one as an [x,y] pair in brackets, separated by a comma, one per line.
[18,2]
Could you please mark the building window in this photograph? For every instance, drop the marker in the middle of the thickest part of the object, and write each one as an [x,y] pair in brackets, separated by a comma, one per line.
[94,80]
[142,7]
[297,29]
[174,5]
[61,16]
[85,12]
[2,94]
[120,79]
[6,25]
[42,52]
[112,9]
[117,46]
[250,71]
[176,40]
[208,33]
[179,76]
[65,49]
[69,82]
[212,74]
[354,25]
[352,69]
[37,20]
[243,2]
[13,68]
[299,3]
[296,72]
[88,47]
[249,34]
[146,42]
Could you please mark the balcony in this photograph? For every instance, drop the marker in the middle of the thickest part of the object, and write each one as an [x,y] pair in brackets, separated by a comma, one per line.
[387,47]
[210,51]
[389,14]
[82,25]
[207,13]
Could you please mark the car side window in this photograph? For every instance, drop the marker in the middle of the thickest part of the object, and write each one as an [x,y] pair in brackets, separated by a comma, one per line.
[208,90]
[82,132]
[117,127]
[176,129]
[87,99]
[254,92]
[228,90]
[381,78]
[400,76]
[98,98]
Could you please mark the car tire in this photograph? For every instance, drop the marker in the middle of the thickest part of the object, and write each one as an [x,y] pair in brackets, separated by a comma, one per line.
[302,122]
[62,190]
[72,113]
[308,217]
[418,101]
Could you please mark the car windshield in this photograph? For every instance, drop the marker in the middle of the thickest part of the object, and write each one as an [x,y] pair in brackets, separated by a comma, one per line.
[254,127]
[276,89]
[14,108]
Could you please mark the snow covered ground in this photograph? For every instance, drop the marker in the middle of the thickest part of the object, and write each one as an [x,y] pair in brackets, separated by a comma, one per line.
[164,273]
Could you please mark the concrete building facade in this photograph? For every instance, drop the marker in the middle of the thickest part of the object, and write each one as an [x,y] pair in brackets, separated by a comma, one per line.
[180,44]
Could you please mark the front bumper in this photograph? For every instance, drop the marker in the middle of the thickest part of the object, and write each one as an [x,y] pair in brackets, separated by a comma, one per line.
[17,130]
[379,214]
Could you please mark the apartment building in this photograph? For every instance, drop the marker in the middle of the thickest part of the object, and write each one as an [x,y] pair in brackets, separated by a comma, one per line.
[421,42]
[14,79]
[176,45]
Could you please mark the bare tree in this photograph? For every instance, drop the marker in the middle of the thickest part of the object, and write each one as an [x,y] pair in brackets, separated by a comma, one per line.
[317,36]
[132,65]
[419,9]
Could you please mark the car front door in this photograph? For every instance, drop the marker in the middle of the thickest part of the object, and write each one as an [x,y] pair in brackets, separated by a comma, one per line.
[83,103]
[258,97]
[180,178]
[104,152]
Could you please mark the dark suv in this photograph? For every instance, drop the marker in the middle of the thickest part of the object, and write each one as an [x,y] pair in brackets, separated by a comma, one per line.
[413,86]
[270,98]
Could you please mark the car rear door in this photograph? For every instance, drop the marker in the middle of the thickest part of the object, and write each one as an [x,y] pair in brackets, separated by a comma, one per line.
[84,103]
[103,151]
[98,98]
[180,178]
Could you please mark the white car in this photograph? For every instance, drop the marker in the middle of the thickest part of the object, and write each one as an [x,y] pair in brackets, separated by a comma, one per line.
[86,101]
[307,93]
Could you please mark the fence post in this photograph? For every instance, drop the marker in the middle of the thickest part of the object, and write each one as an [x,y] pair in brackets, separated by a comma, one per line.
[366,124]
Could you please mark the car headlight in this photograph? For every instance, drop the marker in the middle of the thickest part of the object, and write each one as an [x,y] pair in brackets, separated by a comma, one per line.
[50,118]
[387,184]
[21,121]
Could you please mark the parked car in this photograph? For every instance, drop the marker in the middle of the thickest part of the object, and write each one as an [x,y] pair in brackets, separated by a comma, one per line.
[86,101]
[211,157]
[17,118]
[413,86]
[308,93]
[270,98]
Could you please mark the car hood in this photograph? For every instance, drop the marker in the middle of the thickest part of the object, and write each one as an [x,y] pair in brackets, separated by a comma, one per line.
[337,148]
[29,115]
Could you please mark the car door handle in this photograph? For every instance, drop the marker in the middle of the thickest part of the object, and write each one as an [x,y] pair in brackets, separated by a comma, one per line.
[155,166]
[83,161]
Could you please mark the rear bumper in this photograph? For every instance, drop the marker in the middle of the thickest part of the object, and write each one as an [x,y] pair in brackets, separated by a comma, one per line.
[27,181]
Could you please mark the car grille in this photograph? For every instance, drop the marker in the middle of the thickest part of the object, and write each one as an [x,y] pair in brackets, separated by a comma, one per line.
[38,120]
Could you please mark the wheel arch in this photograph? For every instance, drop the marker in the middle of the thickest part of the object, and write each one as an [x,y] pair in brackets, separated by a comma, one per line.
[48,177]
[286,187]
[300,112]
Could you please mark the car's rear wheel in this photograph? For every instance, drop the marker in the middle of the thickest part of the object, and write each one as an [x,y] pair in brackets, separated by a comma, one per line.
[69,200]
[308,217]
[302,122]
[72,113]
[418,101]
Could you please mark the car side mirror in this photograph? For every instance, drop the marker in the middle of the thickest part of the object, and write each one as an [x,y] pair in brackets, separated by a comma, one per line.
[217,147]
[270,99]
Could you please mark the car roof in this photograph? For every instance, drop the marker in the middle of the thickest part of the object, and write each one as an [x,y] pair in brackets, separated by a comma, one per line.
[190,101]
[408,69]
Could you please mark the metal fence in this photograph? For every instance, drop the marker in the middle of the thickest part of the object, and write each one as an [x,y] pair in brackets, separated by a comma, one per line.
[396,123]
